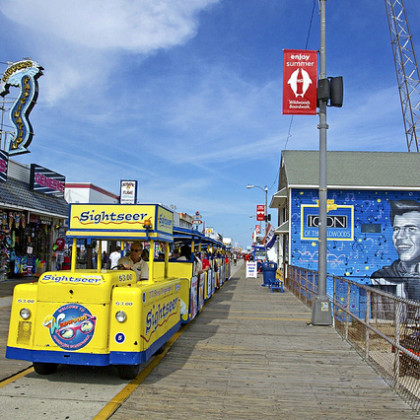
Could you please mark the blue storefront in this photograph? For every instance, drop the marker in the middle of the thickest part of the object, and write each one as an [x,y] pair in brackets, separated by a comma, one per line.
[362,188]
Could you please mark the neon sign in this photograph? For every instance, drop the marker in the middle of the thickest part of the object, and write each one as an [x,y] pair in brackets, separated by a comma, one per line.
[22,74]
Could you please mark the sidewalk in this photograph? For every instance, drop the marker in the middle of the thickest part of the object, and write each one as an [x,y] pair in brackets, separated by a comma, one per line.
[252,354]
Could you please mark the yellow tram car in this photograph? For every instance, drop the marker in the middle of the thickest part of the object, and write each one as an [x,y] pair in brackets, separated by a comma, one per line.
[101,317]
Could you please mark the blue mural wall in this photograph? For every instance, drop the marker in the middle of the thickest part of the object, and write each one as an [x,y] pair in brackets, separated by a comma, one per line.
[359,233]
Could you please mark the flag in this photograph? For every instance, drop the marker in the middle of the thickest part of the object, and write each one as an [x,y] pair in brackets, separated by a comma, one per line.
[270,237]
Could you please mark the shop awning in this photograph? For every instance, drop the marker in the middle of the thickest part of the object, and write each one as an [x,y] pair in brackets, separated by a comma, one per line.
[17,195]
[278,198]
[282,229]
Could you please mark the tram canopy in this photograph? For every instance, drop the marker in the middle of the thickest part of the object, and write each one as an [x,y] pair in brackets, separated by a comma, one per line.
[143,222]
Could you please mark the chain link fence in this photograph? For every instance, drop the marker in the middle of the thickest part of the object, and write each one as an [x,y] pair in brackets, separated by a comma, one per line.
[383,329]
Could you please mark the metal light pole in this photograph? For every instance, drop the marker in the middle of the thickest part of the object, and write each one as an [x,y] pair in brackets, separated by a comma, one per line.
[265,189]
[321,306]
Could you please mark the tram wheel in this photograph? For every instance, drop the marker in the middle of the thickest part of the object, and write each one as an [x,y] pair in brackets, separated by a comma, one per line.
[128,371]
[45,368]
[161,349]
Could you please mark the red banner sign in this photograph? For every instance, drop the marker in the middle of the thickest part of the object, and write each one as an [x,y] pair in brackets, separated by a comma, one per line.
[299,82]
[260,212]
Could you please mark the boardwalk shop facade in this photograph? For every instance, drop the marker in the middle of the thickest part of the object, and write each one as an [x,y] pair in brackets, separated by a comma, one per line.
[33,216]
[363,187]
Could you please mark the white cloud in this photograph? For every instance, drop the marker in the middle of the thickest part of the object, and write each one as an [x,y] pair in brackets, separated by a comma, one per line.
[137,26]
[79,42]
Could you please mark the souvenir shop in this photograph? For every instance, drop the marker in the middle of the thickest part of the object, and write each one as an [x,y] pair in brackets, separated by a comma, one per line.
[30,243]
[32,222]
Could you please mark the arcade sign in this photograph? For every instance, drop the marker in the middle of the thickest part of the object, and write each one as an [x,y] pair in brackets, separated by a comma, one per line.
[47,182]
[22,74]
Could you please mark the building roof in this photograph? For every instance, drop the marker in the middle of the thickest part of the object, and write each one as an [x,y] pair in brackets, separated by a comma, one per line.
[17,195]
[88,185]
[362,170]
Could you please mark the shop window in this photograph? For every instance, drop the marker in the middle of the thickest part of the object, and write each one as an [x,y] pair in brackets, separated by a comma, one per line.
[371,228]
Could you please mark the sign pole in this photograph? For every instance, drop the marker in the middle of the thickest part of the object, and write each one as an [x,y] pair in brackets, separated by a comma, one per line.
[321,306]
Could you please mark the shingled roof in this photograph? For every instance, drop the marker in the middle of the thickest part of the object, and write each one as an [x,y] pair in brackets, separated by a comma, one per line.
[361,170]
[17,194]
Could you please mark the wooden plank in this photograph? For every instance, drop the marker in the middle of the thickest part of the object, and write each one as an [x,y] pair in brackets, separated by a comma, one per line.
[252,354]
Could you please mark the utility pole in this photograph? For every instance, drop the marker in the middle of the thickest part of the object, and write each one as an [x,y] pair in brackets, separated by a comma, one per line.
[321,306]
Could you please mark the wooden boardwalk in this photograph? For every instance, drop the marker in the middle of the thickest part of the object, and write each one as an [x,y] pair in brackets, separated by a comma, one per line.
[252,354]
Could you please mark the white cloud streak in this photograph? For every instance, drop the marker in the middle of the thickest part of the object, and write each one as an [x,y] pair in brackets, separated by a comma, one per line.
[77,40]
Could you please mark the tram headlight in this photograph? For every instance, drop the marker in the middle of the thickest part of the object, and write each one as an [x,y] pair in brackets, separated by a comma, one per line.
[121,316]
[25,313]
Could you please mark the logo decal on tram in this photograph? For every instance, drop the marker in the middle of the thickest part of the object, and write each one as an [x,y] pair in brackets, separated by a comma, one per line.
[72,279]
[71,326]
[157,316]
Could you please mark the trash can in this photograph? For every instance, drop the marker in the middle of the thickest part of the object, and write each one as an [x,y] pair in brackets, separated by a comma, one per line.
[269,270]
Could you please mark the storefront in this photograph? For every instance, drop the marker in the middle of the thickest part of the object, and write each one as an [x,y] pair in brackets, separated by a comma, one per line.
[373,217]
[33,218]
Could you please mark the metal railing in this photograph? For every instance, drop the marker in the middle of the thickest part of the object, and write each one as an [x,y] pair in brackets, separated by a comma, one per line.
[382,328]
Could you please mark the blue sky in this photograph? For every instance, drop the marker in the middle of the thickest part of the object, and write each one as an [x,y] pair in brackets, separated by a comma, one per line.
[185,96]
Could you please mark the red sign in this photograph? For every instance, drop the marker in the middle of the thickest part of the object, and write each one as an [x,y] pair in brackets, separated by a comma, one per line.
[260,212]
[257,229]
[299,82]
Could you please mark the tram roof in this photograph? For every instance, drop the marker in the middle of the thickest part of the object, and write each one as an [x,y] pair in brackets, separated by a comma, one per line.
[192,234]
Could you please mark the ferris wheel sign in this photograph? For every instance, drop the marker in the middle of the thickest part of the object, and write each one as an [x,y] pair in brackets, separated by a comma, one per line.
[299,82]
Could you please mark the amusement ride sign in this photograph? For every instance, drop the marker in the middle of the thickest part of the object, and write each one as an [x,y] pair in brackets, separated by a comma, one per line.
[22,74]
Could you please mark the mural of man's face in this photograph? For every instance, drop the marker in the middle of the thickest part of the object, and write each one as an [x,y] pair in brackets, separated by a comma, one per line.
[406,236]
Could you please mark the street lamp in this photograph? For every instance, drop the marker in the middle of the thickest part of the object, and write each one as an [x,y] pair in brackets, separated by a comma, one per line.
[265,189]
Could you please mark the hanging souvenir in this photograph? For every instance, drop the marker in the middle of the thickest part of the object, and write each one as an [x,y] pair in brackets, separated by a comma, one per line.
[17,219]
[10,219]
[23,220]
